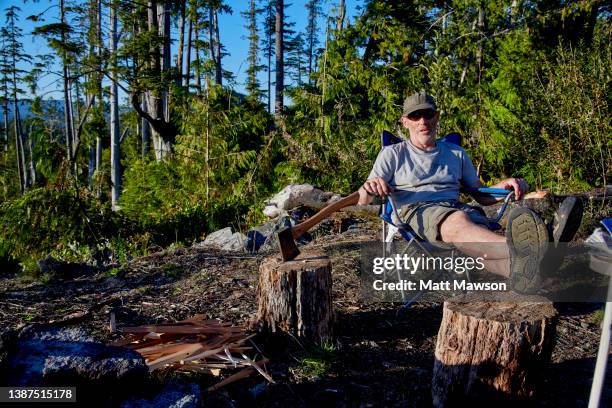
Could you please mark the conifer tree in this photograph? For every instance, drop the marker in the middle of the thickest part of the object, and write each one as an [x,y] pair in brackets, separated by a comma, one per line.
[153,77]
[279,52]
[312,28]
[62,38]
[268,44]
[4,96]
[13,55]
[252,82]
[295,62]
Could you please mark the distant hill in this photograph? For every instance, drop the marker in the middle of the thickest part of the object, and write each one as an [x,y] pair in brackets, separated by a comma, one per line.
[25,111]
[53,108]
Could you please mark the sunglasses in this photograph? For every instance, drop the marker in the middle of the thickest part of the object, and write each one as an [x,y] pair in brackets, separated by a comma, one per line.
[424,113]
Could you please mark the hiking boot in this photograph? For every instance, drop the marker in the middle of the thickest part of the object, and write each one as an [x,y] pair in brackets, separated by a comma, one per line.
[527,238]
[567,220]
[563,228]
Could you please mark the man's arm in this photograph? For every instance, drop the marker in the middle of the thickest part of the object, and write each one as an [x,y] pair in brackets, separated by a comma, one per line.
[376,184]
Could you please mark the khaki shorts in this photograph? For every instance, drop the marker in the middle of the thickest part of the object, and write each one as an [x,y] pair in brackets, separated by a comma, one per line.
[426,218]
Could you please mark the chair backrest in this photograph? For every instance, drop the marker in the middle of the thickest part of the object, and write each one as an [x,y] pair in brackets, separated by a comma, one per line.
[387,138]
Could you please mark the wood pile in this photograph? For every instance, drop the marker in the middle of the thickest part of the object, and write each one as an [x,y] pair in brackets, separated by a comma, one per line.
[195,344]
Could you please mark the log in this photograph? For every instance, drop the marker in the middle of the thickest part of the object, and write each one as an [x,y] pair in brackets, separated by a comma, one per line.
[296,297]
[491,352]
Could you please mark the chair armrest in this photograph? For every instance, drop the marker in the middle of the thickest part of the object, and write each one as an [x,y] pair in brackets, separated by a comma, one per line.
[487,191]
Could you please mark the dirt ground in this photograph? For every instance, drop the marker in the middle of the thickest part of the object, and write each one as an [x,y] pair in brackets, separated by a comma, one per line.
[382,356]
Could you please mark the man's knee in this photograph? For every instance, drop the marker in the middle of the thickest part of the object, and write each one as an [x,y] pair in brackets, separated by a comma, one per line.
[453,226]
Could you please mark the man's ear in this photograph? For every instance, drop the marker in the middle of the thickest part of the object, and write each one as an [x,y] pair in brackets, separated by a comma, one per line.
[404,121]
[437,116]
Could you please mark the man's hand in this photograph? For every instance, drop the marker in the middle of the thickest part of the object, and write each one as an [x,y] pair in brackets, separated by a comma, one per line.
[371,188]
[519,186]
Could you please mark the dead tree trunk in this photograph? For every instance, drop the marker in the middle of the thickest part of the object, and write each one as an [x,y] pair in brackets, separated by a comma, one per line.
[295,297]
[188,57]
[114,111]
[491,351]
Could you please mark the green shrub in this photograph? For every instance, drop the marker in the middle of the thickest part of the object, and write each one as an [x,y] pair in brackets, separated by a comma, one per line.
[47,219]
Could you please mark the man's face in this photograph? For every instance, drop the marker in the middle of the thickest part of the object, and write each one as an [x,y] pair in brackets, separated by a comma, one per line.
[422,125]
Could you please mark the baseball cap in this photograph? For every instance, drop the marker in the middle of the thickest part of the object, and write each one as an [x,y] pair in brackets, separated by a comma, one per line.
[418,101]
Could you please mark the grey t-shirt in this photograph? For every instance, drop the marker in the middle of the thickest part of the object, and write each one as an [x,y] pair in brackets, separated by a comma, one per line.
[417,175]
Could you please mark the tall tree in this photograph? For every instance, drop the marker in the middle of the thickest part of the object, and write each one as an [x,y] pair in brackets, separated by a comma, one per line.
[216,49]
[66,84]
[5,96]
[214,43]
[312,28]
[197,47]
[95,123]
[190,17]
[295,63]
[37,69]
[280,72]
[268,44]
[254,67]
[341,15]
[181,44]
[62,38]
[114,108]
[14,55]
[154,79]
[98,85]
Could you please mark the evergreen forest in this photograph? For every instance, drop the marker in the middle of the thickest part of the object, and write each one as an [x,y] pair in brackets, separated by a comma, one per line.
[151,145]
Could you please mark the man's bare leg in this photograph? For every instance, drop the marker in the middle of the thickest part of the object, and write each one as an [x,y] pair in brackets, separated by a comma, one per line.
[468,237]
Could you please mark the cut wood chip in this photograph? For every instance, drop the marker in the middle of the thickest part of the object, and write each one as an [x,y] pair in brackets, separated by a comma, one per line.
[195,344]
[238,376]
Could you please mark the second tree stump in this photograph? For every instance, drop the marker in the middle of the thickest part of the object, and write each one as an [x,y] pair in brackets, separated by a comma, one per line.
[491,351]
[296,296]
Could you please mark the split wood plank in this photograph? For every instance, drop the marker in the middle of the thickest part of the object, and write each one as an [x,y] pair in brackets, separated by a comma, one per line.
[238,376]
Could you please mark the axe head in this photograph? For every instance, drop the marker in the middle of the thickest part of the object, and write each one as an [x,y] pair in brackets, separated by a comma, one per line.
[287,244]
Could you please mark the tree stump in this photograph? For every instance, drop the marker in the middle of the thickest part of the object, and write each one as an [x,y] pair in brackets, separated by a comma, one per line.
[491,351]
[296,297]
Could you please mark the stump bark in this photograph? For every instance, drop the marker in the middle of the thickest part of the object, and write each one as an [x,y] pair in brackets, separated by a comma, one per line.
[491,351]
[296,297]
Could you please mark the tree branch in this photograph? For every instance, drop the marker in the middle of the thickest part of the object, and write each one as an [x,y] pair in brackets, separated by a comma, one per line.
[77,137]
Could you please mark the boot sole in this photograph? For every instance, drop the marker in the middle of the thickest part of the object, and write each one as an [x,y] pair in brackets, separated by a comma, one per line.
[527,238]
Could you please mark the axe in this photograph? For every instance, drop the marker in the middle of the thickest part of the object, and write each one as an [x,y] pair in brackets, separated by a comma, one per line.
[288,235]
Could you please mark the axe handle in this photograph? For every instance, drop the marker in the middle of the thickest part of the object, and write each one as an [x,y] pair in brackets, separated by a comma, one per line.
[302,227]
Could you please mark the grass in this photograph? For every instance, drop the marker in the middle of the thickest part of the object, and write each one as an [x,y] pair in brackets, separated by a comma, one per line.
[597,317]
[321,361]
[113,272]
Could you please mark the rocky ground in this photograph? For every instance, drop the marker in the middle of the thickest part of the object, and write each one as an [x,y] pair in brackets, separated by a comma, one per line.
[381,356]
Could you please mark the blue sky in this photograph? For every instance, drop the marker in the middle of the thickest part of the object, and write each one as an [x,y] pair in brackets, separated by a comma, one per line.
[232,31]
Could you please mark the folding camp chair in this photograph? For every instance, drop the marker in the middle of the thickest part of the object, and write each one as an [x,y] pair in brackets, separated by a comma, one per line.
[392,222]
[601,264]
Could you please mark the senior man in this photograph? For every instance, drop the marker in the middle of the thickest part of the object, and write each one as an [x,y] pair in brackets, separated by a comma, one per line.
[424,177]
